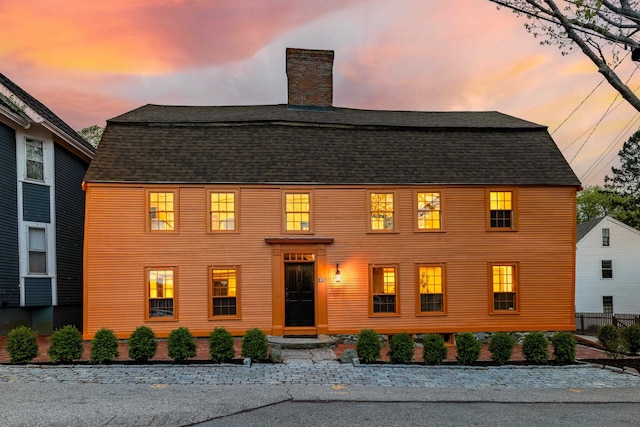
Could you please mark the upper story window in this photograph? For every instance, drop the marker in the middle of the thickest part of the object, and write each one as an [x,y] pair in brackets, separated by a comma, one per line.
[607,269]
[504,287]
[605,237]
[224,291]
[384,298]
[37,250]
[297,212]
[34,160]
[429,215]
[381,211]
[501,212]
[162,211]
[161,289]
[431,289]
[223,211]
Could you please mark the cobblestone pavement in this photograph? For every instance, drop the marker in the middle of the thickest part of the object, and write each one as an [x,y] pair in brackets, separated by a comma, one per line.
[330,373]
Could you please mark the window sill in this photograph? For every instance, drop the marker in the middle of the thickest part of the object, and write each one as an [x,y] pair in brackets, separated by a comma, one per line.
[505,312]
[431,314]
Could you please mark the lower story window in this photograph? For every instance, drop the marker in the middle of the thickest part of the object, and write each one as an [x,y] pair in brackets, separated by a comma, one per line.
[161,293]
[383,285]
[607,304]
[224,291]
[431,289]
[504,287]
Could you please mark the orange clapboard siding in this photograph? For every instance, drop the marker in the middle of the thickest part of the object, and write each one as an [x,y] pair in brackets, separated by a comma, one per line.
[118,249]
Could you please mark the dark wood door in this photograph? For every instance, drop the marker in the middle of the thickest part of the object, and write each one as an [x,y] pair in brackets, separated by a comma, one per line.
[299,296]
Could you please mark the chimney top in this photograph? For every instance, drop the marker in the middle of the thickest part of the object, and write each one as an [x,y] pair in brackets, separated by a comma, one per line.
[310,78]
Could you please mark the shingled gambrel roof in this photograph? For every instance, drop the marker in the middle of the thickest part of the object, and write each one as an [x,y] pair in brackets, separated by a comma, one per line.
[278,144]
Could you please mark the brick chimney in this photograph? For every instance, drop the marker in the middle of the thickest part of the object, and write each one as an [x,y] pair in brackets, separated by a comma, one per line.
[310,77]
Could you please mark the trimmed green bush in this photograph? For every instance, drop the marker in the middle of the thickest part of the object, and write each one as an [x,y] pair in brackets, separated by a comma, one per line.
[368,345]
[607,334]
[65,344]
[535,347]
[467,347]
[501,347]
[22,344]
[401,348]
[181,344]
[142,344]
[564,347]
[433,349]
[104,347]
[255,345]
[221,348]
[632,337]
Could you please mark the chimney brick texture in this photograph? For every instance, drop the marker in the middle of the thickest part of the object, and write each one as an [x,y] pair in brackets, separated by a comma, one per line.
[310,77]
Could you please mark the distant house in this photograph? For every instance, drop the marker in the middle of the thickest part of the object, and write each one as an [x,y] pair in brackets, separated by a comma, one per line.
[305,219]
[42,164]
[607,267]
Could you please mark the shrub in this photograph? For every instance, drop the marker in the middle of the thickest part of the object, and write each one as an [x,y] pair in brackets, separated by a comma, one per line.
[22,344]
[66,344]
[181,345]
[467,347]
[401,348]
[608,333]
[535,347]
[632,336]
[368,345]
[221,347]
[142,344]
[104,347]
[433,350]
[254,345]
[501,347]
[564,347]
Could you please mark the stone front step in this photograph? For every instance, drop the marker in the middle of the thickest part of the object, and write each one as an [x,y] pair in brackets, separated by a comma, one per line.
[320,341]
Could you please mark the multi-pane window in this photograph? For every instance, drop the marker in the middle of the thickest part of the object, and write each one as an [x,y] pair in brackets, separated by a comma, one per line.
[37,251]
[431,289]
[607,304]
[607,269]
[383,284]
[162,214]
[605,237]
[161,293]
[501,210]
[381,211]
[35,160]
[504,287]
[429,213]
[297,212]
[224,291]
[223,211]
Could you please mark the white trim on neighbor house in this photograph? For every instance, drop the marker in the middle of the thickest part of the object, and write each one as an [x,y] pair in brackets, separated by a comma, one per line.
[624,253]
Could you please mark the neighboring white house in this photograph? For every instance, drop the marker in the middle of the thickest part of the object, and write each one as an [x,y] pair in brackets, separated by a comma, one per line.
[607,267]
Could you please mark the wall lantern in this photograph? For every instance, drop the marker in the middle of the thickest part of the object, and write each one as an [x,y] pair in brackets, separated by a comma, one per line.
[338,277]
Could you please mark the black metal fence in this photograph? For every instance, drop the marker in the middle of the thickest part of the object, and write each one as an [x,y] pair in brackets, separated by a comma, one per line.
[589,323]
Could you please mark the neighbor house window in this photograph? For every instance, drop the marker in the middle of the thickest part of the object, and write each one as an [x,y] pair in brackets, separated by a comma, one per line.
[297,212]
[161,291]
[381,211]
[605,237]
[223,211]
[224,291]
[607,269]
[431,289]
[384,290]
[607,304]
[35,160]
[501,210]
[37,251]
[504,287]
[429,211]
[162,211]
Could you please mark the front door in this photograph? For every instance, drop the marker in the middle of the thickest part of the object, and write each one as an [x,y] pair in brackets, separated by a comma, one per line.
[299,294]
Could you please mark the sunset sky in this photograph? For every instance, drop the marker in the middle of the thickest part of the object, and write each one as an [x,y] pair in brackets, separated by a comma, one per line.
[89,61]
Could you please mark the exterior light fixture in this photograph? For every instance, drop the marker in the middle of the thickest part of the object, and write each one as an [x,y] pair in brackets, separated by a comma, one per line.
[337,275]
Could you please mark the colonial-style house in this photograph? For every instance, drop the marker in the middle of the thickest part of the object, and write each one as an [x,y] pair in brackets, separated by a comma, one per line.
[607,267]
[42,165]
[305,219]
